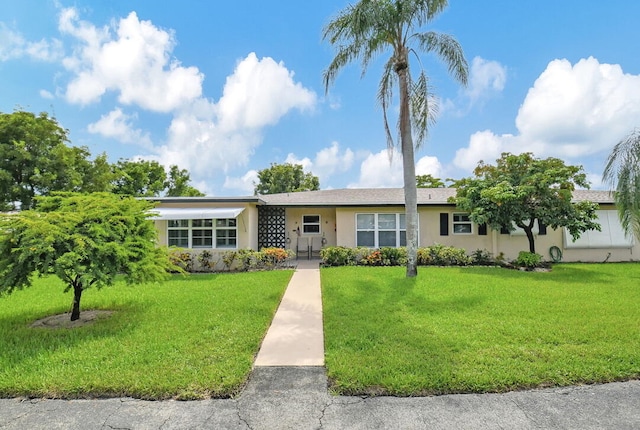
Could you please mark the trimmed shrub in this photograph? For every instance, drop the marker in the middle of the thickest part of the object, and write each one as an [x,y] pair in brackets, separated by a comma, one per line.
[181,258]
[339,256]
[393,256]
[529,260]
[440,255]
[482,257]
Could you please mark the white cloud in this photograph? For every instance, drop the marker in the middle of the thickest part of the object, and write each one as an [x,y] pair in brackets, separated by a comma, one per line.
[259,93]
[378,171]
[571,111]
[327,162]
[133,59]
[13,46]
[485,78]
[46,94]
[118,125]
[244,184]
[209,137]
[428,165]
[306,163]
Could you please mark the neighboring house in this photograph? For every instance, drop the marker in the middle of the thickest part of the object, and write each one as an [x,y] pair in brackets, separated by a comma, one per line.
[306,221]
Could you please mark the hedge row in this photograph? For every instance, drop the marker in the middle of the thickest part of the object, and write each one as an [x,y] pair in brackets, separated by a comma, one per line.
[239,260]
[435,255]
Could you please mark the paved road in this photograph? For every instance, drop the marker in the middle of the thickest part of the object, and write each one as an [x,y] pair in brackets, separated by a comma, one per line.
[297,398]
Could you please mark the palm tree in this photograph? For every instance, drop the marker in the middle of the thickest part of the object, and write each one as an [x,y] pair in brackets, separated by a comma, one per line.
[369,28]
[623,173]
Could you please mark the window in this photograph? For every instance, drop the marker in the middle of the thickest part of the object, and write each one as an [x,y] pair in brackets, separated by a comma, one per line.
[378,230]
[178,233]
[199,233]
[462,224]
[202,233]
[311,224]
[226,233]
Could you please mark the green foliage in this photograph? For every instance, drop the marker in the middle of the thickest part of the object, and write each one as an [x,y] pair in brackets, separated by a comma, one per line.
[623,173]
[530,260]
[521,190]
[440,255]
[206,260]
[285,178]
[181,259]
[34,159]
[482,257]
[178,184]
[140,178]
[338,256]
[85,240]
[428,181]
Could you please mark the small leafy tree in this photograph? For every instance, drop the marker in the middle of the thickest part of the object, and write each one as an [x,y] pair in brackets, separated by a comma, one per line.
[285,178]
[521,190]
[428,181]
[179,184]
[85,240]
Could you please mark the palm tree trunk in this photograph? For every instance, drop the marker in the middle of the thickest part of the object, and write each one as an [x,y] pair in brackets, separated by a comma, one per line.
[409,168]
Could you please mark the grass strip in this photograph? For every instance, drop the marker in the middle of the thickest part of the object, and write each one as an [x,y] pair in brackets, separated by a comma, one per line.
[188,338]
[478,329]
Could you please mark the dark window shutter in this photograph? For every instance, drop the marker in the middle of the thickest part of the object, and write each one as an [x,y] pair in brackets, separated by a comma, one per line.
[542,228]
[504,230]
[482,229]
[444,224]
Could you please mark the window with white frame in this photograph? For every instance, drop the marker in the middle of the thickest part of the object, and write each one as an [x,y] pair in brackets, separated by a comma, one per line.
[462,224]
[199,233]
[381,230]
[178,233]
[311,224]
[226,233]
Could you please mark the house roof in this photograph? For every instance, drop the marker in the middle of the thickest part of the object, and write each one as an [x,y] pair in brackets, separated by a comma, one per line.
[358,197]
[355,197]
[391,197]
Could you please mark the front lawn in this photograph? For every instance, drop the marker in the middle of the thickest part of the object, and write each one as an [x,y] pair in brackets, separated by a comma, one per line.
[478,329]
[188,338]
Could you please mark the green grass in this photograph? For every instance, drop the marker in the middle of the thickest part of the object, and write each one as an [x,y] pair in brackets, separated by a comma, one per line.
[191,337]
[459,330]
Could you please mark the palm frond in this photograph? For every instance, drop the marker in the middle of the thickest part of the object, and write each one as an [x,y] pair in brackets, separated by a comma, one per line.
[622,172]
[447,48]
[385,95]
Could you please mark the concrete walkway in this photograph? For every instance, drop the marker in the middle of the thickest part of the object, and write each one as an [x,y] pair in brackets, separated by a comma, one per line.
[295,337]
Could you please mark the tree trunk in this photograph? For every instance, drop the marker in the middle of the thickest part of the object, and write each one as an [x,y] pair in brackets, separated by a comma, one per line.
[77,294]
[532,244]
[409,168]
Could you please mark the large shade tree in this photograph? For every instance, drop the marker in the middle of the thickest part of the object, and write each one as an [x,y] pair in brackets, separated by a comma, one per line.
[521,190]
[622,173]
[86,240]
[35,159]
[369,28]
[285,178]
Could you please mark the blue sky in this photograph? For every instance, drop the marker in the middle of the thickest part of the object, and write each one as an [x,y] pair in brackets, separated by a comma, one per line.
[223,89]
